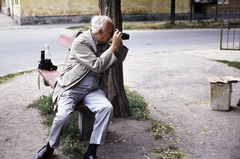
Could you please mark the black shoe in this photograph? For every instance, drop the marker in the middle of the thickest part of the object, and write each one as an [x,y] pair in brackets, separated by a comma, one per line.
[89,157]
[44,153]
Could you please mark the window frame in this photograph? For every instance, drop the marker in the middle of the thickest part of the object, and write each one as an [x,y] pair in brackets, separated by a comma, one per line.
[220,1]
[16,2]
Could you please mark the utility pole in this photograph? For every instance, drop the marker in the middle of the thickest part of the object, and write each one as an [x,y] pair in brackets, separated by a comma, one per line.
[172,11]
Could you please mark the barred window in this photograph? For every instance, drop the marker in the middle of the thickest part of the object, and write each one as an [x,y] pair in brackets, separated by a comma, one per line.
[220,1]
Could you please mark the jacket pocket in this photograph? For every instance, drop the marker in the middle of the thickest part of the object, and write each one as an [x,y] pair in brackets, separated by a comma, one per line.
[71,76]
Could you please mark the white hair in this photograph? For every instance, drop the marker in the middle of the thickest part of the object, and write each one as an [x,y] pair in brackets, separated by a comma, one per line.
[99,22]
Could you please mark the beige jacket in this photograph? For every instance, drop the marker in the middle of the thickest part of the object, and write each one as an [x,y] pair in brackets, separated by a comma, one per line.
[83,58]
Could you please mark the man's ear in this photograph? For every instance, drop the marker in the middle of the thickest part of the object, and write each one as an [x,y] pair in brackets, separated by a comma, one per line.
[100,31]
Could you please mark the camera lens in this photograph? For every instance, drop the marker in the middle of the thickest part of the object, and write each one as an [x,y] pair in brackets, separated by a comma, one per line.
[125,36]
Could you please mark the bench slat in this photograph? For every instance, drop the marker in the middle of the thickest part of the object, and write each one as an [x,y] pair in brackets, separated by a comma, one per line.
[211,80]
[232,79]
[223,79]
[65,41]
[81,107]
[49,76]
[218,79]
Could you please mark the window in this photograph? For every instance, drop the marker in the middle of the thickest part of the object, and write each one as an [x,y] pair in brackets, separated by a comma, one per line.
[16,2]
[220,1]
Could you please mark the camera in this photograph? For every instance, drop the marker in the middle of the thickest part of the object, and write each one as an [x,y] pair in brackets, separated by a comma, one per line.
[125,36]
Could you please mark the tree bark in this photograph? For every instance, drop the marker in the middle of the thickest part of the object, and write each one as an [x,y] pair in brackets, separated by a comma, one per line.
[116,93]
[172,11]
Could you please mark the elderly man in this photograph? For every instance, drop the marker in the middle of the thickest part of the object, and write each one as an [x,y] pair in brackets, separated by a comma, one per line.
[84,80]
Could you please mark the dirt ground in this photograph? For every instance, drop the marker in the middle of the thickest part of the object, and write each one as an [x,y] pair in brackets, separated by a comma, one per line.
[22,133]
[175,87]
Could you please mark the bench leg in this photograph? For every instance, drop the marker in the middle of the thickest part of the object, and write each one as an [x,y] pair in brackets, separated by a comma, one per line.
[221,96]
[86,120]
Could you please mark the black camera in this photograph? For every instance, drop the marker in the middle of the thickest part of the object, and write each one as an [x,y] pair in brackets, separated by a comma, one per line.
[46,64]
[125,36]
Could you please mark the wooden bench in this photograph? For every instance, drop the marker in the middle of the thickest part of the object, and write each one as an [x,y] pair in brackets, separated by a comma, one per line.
[85,117]
[221,88]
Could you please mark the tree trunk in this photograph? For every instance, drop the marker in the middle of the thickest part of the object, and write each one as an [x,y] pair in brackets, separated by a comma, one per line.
[116,93]
[172,11]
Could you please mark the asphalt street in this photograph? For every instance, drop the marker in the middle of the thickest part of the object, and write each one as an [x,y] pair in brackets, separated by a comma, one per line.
[20,46]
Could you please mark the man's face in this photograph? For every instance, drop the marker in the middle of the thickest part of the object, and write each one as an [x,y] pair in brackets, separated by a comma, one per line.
[107,34]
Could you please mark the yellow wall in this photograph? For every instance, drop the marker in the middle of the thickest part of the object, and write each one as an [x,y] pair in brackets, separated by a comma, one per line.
[153,6]
[90,7]
[182,6]
[59,7]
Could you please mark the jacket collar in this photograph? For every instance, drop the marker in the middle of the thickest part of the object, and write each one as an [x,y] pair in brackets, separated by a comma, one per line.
[90,39]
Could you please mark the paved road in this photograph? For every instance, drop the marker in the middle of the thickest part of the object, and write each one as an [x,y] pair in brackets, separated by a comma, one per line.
[20,46]
[173,40]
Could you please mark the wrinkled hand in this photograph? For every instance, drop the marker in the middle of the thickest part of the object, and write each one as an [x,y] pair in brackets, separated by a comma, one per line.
[116,40]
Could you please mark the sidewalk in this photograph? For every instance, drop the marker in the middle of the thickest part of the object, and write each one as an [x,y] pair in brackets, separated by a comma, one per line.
[6,22]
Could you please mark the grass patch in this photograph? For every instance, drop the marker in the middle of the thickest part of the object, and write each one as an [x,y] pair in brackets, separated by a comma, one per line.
[235,23]
[6,78]
[138,105]
[81,27]
[160,25]
[170,152]
[235,64]
[168,25]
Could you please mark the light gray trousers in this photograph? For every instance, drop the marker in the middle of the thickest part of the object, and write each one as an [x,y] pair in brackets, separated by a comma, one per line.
[95,100]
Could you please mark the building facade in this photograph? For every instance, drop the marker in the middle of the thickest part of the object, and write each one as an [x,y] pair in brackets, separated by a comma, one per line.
[27,12]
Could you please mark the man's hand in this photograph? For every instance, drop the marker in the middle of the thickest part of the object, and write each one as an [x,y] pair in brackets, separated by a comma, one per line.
[116,40]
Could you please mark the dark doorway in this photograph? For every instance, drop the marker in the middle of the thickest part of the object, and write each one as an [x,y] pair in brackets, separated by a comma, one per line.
[198,8]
